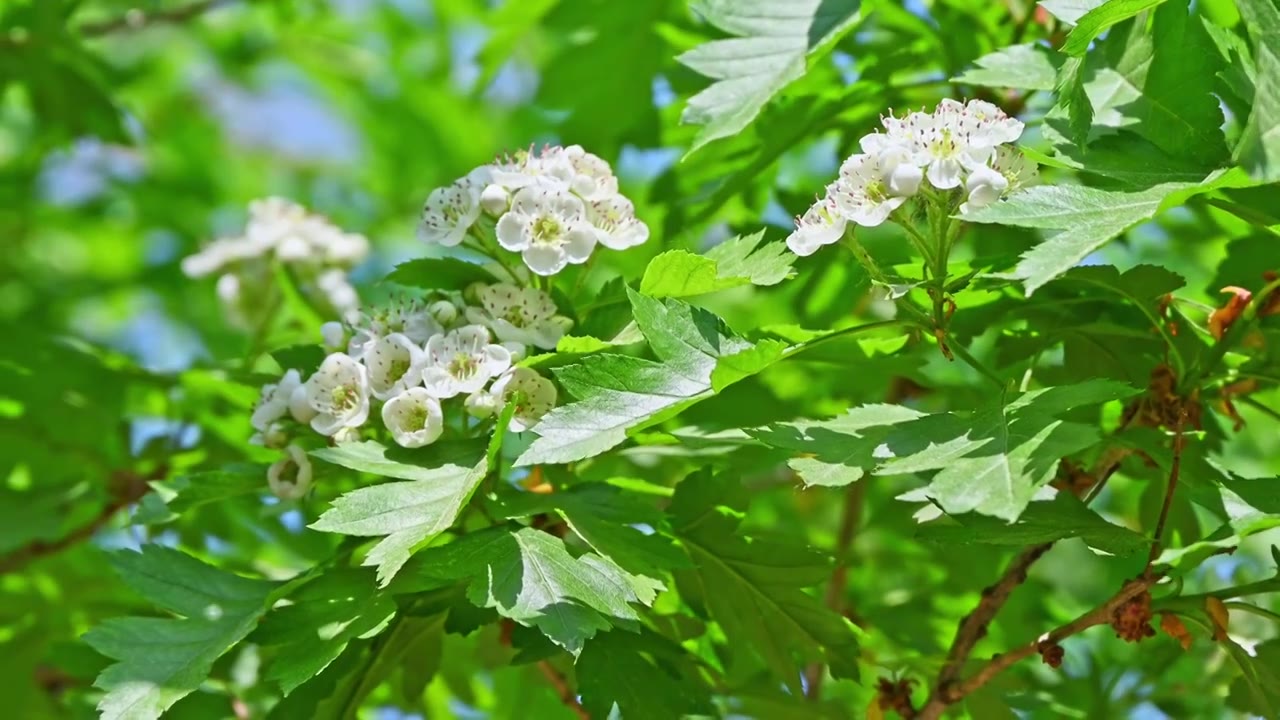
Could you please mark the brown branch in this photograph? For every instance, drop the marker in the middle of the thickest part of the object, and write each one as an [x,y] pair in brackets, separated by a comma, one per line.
[974,626]
[1175,467]
[137,19]
[850,519]
[567,696]
[1100,615]
[129,487]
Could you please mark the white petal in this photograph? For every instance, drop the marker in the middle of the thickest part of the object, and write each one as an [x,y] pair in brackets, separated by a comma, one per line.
[545,259]
[944,174]
[511,231]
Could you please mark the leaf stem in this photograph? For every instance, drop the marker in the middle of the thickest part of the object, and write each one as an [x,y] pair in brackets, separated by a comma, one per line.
[1175,467]
[561,685]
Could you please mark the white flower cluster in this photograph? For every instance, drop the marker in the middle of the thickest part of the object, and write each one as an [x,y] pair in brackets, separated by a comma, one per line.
[960,149]
[553,206]
[414,357]
[318,253]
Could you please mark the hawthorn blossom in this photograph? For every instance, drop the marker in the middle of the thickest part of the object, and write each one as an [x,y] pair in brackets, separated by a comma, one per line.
[615,223]
[988,126]
[592,178]
[535,396]
[290,477]
[821,225]
[395,364]
[548,227]
[1016,168]
[450,211]
[409,317]
[274,402]
[943,146]
[462,361]
[339,394]
[414,418]
[863,194]
[519,315]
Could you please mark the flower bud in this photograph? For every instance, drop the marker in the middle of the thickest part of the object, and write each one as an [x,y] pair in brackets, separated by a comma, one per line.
[495,199]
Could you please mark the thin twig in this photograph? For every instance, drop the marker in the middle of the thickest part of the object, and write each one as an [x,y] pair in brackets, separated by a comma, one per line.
[1100,615]
[850,519]
[131,488]
[974,626]
[562,688]
[1174,468]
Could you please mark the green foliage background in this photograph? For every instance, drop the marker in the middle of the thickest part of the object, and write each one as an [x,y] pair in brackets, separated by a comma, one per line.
[131,132]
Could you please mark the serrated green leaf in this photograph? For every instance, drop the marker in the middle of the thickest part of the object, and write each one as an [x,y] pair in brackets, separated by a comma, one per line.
[171,498]
[1090,25]
[442,273]
[1070,11]
[739,261]
[837,451]
[617,395]
[319,622]
[1259,147]
[1087,217]
[1025,67]
[441,482]
[528,576]
[1073,100]
[994,461]
[647,676]
[776,39]
[752,587]
[162,660]
[1063,517]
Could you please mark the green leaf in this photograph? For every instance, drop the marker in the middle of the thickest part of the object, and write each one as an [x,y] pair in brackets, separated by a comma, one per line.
[740,261]
[1257,690]
[994,461]
[647,676]
[1070,11]
[1073,99]
[1063,517]
[752,586]
[837,451]
[617,395]
[172,498]
[1090,25]
[1259,147]
[441,479]
[1088,218]
[318,624]
[161,660]
[1026,67]
[776,39]
[528,576]
[442,273]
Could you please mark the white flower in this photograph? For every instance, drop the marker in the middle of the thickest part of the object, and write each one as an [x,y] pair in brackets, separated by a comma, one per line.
[414,418]
[988,125]
[519,315]
[985,186]
[614,218]
[495,199]
[409,317]
[1016,168]
[334,335]
[339,393]
[274,402]
[451,211]
[290,477]
[821,225]
[592,177]
[395,364]
[862,194]
[228,289]
[274,436]
[548,227]
[548,166]
[481,404]
[462,361]
[300,407]
[337,290]
[944,145]
[535,396]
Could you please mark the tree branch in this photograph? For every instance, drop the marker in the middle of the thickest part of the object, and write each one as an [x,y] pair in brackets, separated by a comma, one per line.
[974,626]
[567,696]
[850,519]
[1175,467]
[1100,615]
[137,19]
[128,488]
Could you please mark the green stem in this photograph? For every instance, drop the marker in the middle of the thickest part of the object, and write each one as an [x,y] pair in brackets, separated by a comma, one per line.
[972,362]
[1273,414]
[1187,603]
[1254,609]
[855,330]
